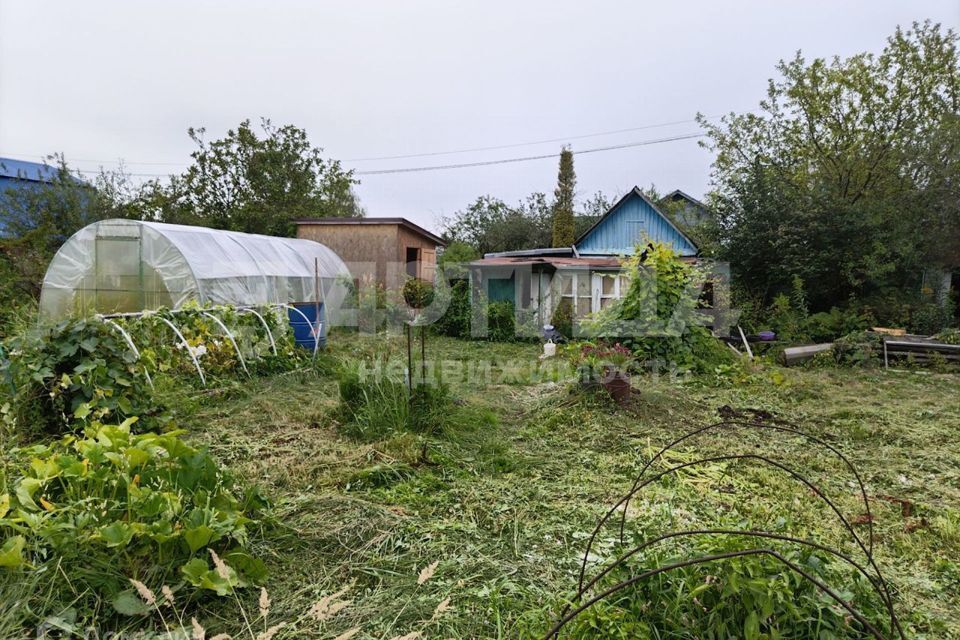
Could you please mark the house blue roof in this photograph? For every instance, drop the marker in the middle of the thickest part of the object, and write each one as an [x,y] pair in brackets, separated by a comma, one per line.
[23,170]
[632,220]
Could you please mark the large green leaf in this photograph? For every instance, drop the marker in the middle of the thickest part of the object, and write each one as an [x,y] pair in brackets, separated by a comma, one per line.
[25,492]
[117,534]
[199,537]
[11,553]
[201,576]
[128,603]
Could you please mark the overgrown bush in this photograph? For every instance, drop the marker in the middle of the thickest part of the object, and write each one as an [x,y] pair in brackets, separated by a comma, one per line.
[417,293]
[373,407]
[948,336]
[657,317]
[110,504]
[929,317]
[751,597]
[76,371]
[859,349]
[562,319]
[455,321]
[501,321]
[163,353]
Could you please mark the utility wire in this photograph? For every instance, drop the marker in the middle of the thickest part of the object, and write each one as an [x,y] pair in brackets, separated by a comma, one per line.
[527,144]
[465,165]
[32,157]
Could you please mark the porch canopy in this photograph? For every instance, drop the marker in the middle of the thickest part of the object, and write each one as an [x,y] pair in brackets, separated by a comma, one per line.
[117,266]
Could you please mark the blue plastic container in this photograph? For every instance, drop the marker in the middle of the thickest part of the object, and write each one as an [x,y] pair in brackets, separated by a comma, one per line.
[305,329]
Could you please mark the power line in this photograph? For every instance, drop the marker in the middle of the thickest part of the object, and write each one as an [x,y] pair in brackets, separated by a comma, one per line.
[465,165]
[528,144]
[32,157]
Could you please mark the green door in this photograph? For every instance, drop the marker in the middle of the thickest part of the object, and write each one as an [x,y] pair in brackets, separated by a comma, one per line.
[500,289]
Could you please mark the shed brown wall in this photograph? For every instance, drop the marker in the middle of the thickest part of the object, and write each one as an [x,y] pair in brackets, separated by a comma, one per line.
[374,250]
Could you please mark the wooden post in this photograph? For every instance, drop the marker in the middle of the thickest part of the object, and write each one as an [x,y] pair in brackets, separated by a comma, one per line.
[745,343]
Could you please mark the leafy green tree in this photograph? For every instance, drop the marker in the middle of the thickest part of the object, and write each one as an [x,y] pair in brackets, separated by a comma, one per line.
[591,211]
[564,226]
[489,224]
[830,180]
[252,183]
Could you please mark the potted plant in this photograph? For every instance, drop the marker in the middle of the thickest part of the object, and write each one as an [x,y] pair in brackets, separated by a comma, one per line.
[606,366]
[615,375]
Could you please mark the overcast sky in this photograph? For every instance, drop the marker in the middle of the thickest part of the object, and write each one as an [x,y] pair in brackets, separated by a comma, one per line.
[104,81]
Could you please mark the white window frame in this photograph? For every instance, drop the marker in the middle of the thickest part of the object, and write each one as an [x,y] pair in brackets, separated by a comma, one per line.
[620,285]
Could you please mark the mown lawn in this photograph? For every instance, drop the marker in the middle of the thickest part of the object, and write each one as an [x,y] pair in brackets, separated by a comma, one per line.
[505,499]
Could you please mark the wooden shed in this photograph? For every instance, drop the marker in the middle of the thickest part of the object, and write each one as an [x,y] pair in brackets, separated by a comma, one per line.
[388,250]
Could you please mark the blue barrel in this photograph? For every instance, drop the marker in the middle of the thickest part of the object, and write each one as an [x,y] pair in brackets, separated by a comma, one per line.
[304,330]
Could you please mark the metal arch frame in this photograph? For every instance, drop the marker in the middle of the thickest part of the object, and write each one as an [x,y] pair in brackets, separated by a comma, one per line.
[316,336]
[781,426]
[230,337]
[186,345]
[263,321]
[884,589]
[749,533]
[878,582]
[130,342]
[555,630]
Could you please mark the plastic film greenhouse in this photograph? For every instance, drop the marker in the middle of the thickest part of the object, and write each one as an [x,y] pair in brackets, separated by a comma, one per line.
[116,266]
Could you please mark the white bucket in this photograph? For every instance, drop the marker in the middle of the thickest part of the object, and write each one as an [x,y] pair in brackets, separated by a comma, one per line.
[549,350]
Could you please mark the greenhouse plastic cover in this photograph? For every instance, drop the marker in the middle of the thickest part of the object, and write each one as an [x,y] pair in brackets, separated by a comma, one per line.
[130,265]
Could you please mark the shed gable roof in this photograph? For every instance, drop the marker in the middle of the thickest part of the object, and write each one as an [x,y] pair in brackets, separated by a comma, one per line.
[632,219]
[402,222]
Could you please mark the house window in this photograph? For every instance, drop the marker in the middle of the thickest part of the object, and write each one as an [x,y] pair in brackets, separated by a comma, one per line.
[575,287]
[609,287]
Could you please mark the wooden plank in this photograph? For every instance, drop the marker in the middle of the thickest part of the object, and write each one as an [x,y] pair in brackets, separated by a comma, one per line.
[794,355]
[745,343]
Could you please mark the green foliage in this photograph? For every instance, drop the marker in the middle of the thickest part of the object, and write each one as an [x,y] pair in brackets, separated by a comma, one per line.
[255,184]
[489,224]
[75,372]
[455,257]
[929,317]
[562,319]
[751,597]
[373,407]
[948,336]
[859,349]
[418,293]
[563,222]
[110,504]
[657,317]
[843,176]
[163,354]
[501,321]
[455,321]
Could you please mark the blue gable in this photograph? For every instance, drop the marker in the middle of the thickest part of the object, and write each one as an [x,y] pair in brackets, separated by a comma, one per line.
[632,220]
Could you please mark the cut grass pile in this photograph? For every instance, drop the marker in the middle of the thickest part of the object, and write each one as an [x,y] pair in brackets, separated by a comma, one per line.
[505,498]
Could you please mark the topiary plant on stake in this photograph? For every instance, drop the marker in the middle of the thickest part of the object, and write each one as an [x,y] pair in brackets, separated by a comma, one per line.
[418,294]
